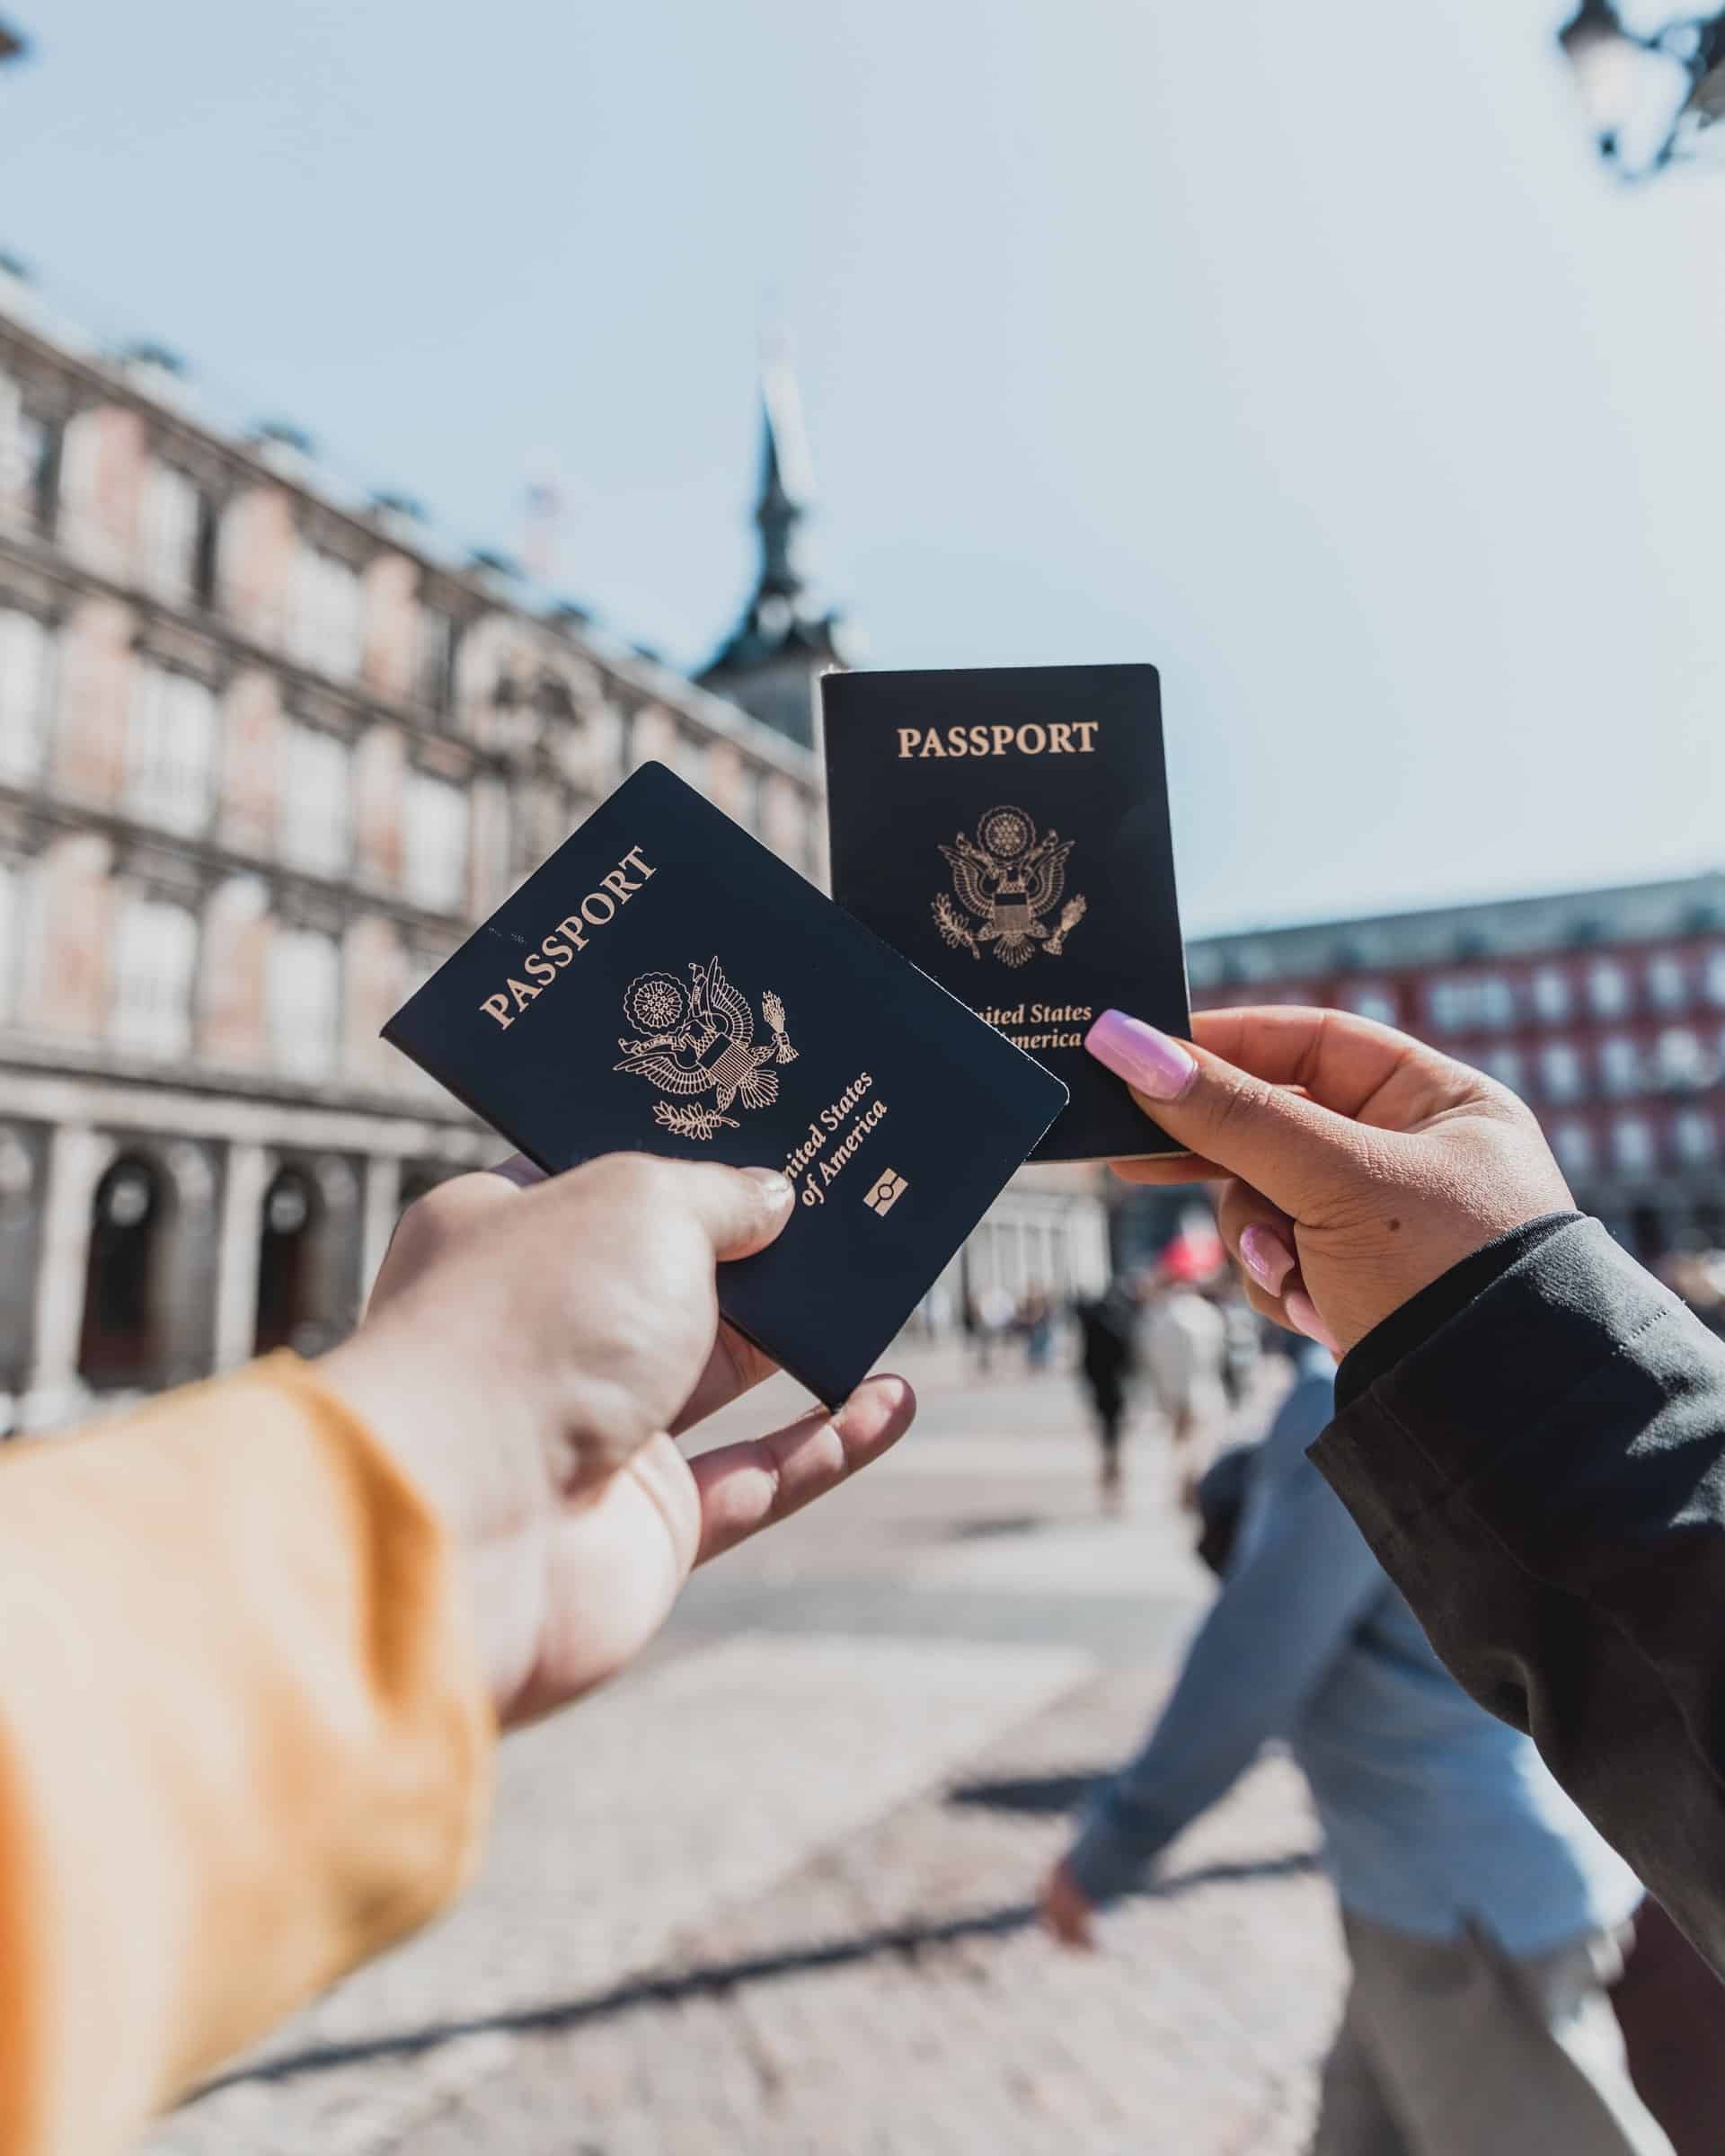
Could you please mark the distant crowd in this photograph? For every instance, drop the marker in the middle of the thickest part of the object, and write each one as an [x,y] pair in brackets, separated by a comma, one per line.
[1177,1334]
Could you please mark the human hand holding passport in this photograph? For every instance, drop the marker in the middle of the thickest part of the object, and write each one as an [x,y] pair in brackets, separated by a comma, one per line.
[664,984]
[1006,828]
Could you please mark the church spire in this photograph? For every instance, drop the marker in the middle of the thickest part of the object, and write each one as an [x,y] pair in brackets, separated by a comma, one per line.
[770,662]
[787,481]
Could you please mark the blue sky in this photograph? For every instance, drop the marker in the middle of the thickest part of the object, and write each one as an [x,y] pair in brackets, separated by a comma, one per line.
[1301,350]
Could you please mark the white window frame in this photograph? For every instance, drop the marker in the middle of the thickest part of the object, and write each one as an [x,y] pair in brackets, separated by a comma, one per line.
[170,749]
[155,968]
[1554,995]
[437,842]
[329,624]
[316,800]
[29,663]
[435,631]
[1562,1057]
[1507,1066]
[173,517]
[1372,999]
[1494,999]
[302,1001]
[1609,993]
[1681,1059]
[1666,980]
[1634,1147]
[1620,1065]
[12,901]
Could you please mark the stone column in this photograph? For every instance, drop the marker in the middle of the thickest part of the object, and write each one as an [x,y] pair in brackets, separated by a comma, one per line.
[335,1253]
[77,1156]
[182,1289]
[249,1169]
[23,1162]
[380,1203]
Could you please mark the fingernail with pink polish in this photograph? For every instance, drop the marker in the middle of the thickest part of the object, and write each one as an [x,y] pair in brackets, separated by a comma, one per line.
[1266,1258]
[1303,1315]
[1150,1062]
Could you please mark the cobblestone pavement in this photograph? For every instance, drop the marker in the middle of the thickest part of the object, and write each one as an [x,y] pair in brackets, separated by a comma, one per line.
[770,1894]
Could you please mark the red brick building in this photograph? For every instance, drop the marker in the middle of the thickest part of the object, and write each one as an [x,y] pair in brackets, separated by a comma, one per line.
[1605,1010]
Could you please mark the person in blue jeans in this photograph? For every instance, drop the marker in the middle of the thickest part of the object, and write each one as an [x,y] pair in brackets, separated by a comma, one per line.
[1484,1917]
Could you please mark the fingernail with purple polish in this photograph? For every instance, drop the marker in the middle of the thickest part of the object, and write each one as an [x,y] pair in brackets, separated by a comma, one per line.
[1150,1062]
[1266,1258]
[1303,1315]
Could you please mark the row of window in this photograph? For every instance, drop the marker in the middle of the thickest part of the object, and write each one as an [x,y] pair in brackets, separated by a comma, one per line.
[179,556]
[155,971]
[1665,983]
[1612,985]
[1668,983]
[1680,1060]
[1608,988]
[171,750]
[1635,1146]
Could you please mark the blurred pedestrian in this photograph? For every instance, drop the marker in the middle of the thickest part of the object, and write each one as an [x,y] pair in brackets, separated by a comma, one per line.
[1107,1355]
[997,1307]
[1484,1918]
[1185,1339]
[1243,1339]
[1036,1324]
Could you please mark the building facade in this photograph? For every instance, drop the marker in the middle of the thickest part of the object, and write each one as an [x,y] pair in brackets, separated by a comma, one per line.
[265,756]
[263,759]
[1605,1010]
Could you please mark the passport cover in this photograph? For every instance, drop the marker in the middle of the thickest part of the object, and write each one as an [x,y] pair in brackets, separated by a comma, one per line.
[664,984]
[1007,829]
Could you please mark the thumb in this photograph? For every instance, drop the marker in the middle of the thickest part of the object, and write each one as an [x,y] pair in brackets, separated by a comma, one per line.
[742,1209]
[1280,1141]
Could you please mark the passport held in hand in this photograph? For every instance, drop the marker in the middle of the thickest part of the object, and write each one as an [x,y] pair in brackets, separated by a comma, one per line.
[1007,829]
[665,984]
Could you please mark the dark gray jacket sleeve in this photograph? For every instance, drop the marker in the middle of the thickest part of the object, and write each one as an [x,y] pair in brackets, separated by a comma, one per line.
[1543,1477]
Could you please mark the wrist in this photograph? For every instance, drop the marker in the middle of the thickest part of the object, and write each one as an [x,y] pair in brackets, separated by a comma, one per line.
[1414,1320]
[477,1460]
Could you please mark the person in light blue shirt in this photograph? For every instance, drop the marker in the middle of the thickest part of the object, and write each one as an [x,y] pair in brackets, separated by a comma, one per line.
[1484,1918]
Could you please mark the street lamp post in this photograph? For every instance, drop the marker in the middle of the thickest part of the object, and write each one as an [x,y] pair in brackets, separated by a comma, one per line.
[1608,62]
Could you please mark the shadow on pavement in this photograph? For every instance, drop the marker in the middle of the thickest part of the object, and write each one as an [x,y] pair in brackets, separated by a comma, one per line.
[1038,1795]
[907,1940]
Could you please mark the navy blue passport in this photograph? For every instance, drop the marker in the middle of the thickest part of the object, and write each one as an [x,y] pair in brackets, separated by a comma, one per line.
[1006,828]
[665,984]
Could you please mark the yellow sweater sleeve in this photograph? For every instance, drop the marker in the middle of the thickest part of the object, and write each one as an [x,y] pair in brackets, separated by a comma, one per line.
[242,1740]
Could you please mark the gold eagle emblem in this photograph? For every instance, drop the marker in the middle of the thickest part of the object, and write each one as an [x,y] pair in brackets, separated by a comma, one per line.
[1008,879]
[699,1039]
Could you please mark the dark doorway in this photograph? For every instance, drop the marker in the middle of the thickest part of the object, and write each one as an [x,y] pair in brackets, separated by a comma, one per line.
[287,1314]
[121,1345]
